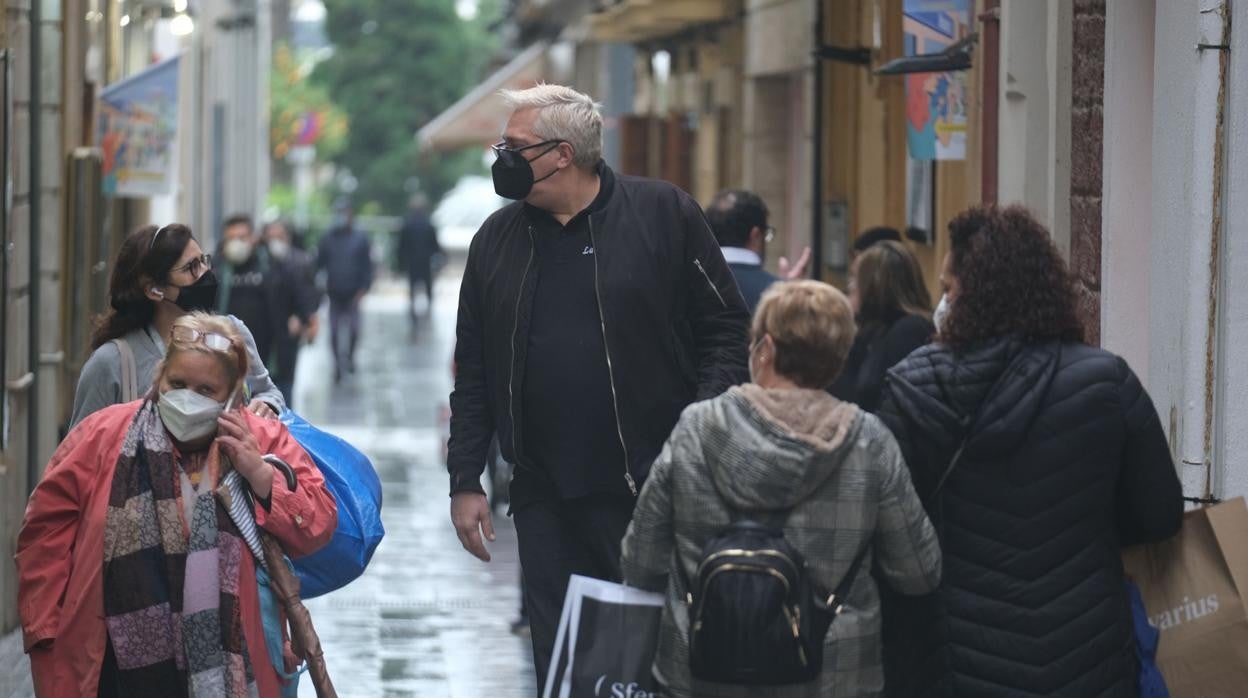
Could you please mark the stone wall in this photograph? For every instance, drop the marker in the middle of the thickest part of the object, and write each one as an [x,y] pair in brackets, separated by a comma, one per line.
[1087,146]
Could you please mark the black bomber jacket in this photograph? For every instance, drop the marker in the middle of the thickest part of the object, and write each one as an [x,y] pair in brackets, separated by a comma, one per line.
[676,327]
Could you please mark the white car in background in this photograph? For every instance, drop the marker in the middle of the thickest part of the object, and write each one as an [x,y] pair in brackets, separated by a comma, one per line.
[463,210]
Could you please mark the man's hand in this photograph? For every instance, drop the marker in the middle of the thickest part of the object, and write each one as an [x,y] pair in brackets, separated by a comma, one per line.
[313,327]
[261,408]
[798,269]
[470,513]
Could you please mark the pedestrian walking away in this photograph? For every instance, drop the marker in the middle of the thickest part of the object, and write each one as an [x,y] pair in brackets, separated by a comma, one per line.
[160,275]
[893,311]
[345,254]
[739,221]
[418,246]
[296,311]
[1038,458]
[134,579]
[592,311]
[781,452]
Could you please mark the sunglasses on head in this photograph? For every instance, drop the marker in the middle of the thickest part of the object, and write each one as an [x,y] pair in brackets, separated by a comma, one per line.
[212,340]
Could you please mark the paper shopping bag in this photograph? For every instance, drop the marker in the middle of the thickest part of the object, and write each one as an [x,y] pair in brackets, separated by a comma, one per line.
[606,642]
[1195,589]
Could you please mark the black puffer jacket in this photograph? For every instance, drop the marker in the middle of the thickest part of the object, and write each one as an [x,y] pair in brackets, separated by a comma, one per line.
[1065,463]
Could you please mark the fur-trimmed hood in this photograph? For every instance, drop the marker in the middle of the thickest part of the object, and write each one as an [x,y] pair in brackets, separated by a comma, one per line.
[785,444]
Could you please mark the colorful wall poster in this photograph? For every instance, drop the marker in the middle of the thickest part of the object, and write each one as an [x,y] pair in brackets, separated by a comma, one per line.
[936,103]
[136,130]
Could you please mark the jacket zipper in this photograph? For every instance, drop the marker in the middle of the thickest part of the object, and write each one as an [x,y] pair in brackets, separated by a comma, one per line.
[698,263]
[515,330]
[606,348]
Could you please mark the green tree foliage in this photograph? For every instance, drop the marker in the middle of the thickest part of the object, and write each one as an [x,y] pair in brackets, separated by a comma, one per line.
[396,65]
[293,101]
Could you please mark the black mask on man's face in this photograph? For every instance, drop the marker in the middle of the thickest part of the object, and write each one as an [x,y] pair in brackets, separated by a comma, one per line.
[201,295]
[513,173]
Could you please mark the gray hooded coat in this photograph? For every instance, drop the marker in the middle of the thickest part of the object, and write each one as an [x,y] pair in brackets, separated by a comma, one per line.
[761,453]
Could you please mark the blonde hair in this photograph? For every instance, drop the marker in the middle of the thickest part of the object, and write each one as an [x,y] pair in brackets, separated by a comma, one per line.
[235,362]
[812,326]
[563,114]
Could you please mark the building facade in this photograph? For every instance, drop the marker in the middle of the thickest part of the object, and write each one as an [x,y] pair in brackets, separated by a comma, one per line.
[60,232]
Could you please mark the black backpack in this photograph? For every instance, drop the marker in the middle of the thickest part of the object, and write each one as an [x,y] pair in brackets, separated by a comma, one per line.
[755,615]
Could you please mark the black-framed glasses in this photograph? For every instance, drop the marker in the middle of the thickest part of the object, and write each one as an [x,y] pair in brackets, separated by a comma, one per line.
[512,156]
[195,265]
[212,340]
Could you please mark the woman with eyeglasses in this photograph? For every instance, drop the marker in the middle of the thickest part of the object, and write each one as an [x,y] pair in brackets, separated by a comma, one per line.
[160,275]
[133,578]
[894,315]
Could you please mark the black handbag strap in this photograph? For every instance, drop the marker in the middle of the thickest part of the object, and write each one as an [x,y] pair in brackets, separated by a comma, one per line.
[836,600]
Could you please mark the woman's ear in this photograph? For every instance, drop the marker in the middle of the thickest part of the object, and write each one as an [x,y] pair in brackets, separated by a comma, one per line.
[153,292]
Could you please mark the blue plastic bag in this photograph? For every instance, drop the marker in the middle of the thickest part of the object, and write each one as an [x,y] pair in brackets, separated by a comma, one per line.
[1151,683]
[353,482]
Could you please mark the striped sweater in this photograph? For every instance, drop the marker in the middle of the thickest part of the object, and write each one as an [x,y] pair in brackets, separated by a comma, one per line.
[764,452]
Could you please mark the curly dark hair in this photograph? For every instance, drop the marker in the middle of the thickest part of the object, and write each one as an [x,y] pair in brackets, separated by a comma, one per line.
[1011,280]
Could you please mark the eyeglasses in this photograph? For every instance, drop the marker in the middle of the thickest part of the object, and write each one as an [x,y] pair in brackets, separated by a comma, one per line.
[202,262]
[512,156]
[212,340]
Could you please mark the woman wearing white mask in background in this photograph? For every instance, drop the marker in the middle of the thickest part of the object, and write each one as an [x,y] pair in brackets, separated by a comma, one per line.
[133,579]
[160,275]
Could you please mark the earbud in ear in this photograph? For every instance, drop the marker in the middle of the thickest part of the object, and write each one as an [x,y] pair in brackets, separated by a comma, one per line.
[157,292]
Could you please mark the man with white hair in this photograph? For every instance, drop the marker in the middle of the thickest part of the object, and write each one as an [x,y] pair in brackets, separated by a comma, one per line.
[592,311]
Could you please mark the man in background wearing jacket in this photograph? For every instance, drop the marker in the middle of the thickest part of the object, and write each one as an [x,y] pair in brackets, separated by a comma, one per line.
[739,221]
[592,311]
[346,256]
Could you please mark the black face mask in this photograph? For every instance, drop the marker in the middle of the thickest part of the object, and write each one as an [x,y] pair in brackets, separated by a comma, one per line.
[201,295]
[513,173]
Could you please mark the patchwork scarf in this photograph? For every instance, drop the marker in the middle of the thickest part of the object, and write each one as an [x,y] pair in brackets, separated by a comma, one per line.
[171,586]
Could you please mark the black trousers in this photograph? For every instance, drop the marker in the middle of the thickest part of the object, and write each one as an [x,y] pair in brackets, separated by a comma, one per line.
[286,353]
[559,538]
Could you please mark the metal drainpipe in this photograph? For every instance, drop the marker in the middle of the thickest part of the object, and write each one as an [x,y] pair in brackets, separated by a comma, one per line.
[816,177]
[991,19]
[1201,321]
[36,243]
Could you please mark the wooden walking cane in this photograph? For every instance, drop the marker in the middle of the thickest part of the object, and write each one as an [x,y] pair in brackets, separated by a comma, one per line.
[304,641]
[235,496]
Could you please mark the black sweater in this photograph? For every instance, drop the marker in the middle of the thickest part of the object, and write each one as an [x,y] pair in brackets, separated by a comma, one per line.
[875,350]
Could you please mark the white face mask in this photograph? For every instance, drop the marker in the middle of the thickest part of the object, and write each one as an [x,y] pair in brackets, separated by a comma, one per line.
[188,415]
[942,313]
[279,248]
[237,251]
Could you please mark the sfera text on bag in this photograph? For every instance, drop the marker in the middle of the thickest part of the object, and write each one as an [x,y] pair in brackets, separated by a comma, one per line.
[619,689]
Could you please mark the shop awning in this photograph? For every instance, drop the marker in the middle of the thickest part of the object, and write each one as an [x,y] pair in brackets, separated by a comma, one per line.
[630,21]
[478,118]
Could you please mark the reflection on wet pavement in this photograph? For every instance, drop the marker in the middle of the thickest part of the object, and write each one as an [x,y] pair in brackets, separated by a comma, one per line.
[426,619]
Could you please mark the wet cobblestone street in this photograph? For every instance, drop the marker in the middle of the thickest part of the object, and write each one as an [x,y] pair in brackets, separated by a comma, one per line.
[426,619]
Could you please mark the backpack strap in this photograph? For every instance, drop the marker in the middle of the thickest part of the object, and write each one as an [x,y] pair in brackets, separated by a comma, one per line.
[836,600]
[129,371]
